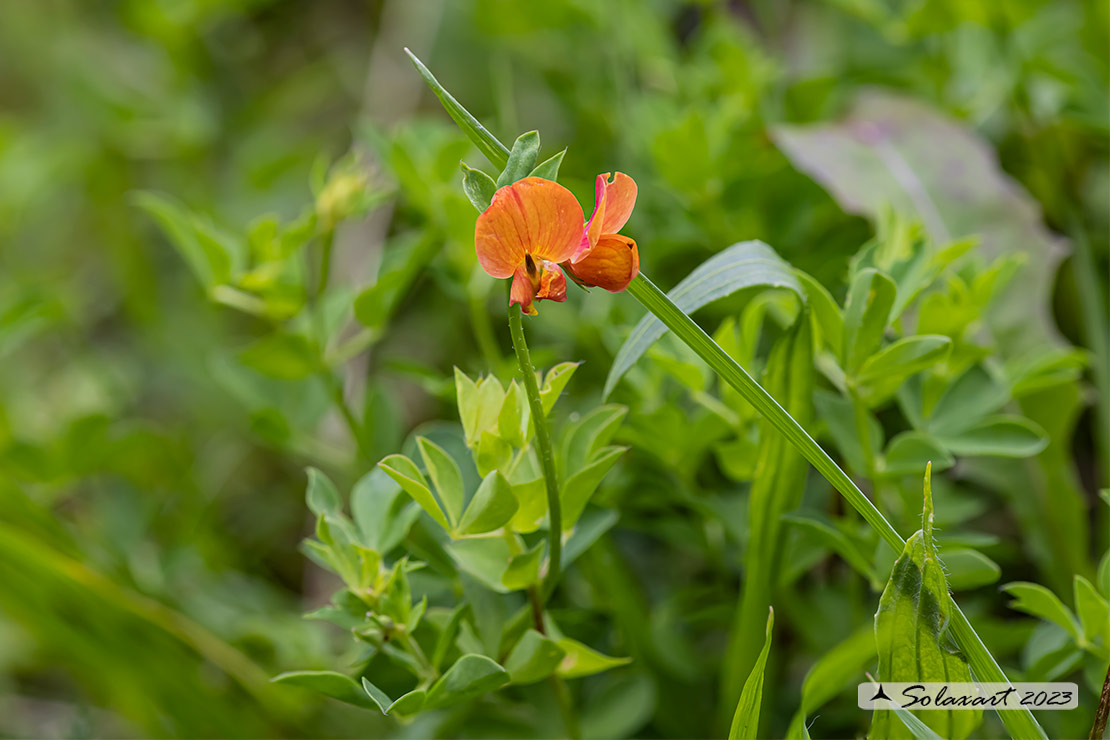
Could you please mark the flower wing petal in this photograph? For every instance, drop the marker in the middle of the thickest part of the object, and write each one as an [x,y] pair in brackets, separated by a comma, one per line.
[597,219]
[610,264]
[620,199]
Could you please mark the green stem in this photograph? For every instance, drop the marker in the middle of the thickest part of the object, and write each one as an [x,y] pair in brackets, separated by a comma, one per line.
[543,443]
[1020,723]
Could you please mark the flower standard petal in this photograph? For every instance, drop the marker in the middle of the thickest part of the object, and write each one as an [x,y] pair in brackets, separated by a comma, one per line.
[531,216]
[610,264]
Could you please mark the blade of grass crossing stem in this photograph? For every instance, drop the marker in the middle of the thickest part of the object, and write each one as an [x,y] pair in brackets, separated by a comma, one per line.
[775,491]
[745,722]
[1020,723]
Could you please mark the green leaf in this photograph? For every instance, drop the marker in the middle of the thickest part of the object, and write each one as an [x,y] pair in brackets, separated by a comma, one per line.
[997,436]
[283,356]
[549,168]
[583,661]
[377,695]
[554,382]
[744,265]
[492,506]
[967,569]
[208,261]
[466,396]
[512,421]
[336,685]
[322,497]
[911,631]
[909,452]
[974,395]
[522,159]
[410,703]
[1094,612]
[489,399]
[531,498]
[478,186]
[524,568]
[492,453]
[470,676]
[579,487]
[866,312]
[445,477]
[485,558]
[382,511]
[1035,599]
[533,658]
[591,433]
[447,635]
[487,143]
[745,722]
[408,476]
[825,311]
[884,371]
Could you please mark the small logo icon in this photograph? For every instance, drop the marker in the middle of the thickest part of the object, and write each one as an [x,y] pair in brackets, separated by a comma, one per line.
[880,694]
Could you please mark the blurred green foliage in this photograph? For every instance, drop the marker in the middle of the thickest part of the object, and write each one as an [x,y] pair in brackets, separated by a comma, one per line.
[158,405]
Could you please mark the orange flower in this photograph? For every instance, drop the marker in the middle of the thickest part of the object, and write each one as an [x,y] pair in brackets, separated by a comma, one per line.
[605,258]
[529,228]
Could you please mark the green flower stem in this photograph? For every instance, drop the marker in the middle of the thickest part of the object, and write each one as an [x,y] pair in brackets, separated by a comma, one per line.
[543,444]
[1020,723]
[554,508]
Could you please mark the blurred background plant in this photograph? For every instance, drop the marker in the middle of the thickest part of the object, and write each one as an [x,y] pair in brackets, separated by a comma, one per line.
[173,360]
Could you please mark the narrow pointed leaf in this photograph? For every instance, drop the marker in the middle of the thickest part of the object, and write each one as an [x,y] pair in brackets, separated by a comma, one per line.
[487,143]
